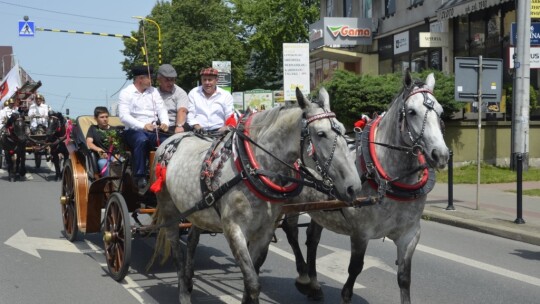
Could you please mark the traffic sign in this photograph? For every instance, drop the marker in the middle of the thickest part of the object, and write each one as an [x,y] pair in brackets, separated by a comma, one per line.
[26,29]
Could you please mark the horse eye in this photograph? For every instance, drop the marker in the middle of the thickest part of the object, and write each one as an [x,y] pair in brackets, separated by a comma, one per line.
[321,134]
[411,112]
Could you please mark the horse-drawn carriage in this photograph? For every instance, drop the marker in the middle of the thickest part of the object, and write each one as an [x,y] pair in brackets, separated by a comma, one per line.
[237,194]
[85,193]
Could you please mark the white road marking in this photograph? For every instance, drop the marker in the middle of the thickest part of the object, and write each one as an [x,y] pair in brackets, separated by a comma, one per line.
[479,265]
[31,245]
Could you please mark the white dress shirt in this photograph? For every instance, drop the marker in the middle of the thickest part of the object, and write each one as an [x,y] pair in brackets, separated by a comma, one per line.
[38,114]
[5,114]
[210,113]
[137,109]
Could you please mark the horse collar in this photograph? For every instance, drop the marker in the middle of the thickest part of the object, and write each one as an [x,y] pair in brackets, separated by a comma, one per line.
[381,181]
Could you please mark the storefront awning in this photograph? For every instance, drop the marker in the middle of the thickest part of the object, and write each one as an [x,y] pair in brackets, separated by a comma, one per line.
[337,54]
[455,8]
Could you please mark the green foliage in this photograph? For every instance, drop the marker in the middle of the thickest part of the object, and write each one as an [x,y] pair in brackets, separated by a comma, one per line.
[267,25]
[352,95]
[489,174]
[194,33]
[533,98]
[114,138]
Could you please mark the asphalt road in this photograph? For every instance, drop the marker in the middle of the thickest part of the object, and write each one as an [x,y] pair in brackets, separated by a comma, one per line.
[451,265]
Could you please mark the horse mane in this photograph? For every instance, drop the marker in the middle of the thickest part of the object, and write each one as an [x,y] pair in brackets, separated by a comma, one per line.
[264,119]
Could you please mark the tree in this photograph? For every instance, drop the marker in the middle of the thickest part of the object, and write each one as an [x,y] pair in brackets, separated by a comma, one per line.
[352,95]
[194,33]
[267,25]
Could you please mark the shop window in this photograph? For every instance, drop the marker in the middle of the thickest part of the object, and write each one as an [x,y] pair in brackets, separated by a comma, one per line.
[435,60]
[419,61]
[401,63]
[385,66]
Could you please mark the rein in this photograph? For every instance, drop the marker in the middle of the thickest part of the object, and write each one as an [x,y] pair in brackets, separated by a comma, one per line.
[375,173]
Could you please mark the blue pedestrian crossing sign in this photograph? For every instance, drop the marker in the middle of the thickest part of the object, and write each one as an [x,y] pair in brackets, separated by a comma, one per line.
[26,29]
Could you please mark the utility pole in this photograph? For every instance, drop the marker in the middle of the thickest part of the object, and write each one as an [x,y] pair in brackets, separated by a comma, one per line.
[521,102]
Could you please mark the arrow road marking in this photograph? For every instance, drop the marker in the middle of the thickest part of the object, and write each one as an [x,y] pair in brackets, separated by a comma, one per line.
[31,245]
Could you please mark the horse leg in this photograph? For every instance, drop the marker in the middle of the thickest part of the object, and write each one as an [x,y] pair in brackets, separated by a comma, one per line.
[56,161]
[173,235]
[239,248]
[356,264]
[313,290]
[406,244]
[290,227]
[192,242]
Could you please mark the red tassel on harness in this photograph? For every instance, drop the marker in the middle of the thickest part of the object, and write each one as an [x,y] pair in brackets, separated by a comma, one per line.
[160,178]
[231,121]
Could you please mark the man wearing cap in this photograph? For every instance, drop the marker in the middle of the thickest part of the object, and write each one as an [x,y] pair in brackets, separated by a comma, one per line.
[175,98]
[142,111]
[209,106]
[38,113]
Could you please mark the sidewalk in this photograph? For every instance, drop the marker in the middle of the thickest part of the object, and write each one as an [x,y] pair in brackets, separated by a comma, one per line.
[497,210]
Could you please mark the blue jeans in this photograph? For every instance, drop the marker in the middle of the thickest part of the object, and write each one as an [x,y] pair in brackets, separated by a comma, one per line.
[101,163]
[141,142]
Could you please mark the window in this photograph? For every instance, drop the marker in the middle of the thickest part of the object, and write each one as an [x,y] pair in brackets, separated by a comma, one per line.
[367,11]
[329,8]
[347,8]
[389,7]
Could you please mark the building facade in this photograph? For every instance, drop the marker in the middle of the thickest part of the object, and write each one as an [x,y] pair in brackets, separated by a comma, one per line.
[418,34]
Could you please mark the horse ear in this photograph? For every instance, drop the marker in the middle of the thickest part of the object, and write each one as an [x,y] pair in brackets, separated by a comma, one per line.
[324,98]
[302,101]
[430,81]
[407,79]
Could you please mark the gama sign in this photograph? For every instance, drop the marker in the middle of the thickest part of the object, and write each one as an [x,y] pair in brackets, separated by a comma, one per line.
[341,31]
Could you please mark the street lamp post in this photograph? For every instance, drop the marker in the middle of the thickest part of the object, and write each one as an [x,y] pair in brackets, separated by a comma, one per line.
[159,34]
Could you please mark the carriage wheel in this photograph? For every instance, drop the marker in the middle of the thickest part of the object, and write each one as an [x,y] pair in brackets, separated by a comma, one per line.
[67,201]
[117,237]
[37,158]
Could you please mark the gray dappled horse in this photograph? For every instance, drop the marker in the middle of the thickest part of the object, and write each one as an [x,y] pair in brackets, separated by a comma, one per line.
[56,134]
[396,159]
[245,214]
[14,145]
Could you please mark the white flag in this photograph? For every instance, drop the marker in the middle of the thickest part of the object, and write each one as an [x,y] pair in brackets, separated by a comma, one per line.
[10,85]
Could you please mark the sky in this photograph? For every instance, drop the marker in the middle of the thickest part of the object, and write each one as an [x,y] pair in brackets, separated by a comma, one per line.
[78,72]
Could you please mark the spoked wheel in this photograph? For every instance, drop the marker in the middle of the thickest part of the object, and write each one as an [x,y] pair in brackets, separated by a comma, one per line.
[67,201]
[37,158]
[117,236]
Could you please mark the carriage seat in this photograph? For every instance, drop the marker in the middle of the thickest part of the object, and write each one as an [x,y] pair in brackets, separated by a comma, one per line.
[80,132]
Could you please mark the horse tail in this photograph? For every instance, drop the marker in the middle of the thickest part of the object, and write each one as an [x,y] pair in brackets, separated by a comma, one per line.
[163,245]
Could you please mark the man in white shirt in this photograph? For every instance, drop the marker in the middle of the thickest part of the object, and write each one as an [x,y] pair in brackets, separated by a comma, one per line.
[209,106]
[143,112]
[175,98]
[38,113]
[5,113]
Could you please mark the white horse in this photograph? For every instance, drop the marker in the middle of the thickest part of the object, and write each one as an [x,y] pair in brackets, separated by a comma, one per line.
[264,148]
[396,158]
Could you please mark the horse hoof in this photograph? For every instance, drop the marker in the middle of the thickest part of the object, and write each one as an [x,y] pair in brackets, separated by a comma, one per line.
[314,294]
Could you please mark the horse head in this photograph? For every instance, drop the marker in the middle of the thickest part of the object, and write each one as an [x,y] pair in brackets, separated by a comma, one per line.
[327,147]
[420,120]
[55,123]
[17,126]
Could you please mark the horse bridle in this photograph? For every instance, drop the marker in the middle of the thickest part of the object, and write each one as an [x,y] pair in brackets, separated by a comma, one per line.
[306,136]
[429,103]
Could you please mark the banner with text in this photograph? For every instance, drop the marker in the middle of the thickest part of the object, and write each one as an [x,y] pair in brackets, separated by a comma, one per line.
[295,69]
[224,74]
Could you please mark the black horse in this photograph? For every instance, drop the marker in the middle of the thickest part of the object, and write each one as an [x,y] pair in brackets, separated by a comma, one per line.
[14,145]
[56,134]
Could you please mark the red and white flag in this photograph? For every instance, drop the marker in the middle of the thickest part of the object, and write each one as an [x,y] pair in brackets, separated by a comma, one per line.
[11,83]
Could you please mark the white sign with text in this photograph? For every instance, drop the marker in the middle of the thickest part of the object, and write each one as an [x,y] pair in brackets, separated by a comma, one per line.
[295,69]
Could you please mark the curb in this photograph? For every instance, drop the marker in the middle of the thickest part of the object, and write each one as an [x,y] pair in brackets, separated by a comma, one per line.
[484,227]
